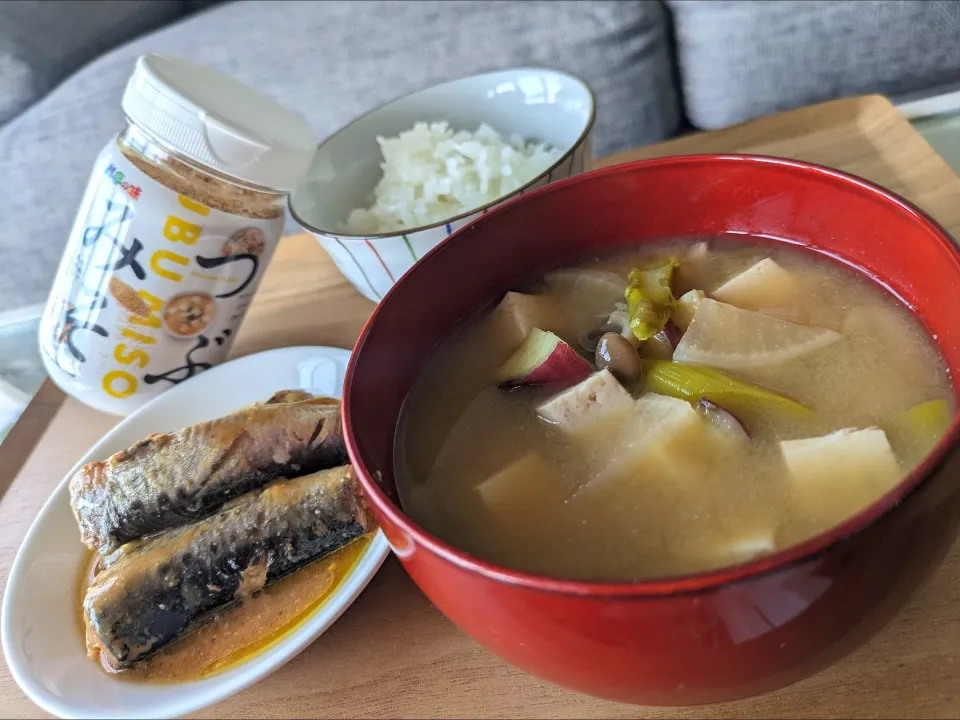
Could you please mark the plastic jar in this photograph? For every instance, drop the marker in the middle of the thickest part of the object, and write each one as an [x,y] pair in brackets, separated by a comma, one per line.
[180,218]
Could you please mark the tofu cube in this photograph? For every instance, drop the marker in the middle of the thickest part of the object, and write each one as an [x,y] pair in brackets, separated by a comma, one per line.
[517,314]
[521,486]
[597,401]
[730,548]
[835,476]
[746,546]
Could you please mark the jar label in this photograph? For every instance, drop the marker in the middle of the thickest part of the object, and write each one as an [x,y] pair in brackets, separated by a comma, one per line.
[152,286]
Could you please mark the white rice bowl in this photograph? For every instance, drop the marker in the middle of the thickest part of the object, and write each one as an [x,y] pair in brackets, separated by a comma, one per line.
[432,173]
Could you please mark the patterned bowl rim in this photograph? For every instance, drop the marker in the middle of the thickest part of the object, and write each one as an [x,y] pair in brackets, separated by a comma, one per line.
[566,156]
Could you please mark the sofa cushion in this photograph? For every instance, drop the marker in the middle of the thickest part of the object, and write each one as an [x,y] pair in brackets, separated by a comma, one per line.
[43,42]
[329,61]
[743,59]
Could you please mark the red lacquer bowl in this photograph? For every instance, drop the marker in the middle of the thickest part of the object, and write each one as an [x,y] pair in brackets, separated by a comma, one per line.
[694,639]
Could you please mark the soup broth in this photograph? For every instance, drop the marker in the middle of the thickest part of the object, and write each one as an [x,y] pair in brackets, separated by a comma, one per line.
[790,397]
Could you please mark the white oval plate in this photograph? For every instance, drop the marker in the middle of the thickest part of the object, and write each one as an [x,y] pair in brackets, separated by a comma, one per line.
[40,626]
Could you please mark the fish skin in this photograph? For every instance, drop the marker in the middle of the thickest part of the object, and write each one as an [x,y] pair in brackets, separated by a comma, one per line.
[169,584]
[173,479]
[289,396]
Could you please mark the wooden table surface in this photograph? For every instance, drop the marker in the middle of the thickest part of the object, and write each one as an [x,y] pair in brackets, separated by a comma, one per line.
[392,653]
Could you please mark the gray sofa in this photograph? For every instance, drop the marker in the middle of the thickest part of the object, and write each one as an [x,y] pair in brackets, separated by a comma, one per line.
[658,68]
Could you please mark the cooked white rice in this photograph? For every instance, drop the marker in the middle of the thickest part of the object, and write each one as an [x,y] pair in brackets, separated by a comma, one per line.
[431,173]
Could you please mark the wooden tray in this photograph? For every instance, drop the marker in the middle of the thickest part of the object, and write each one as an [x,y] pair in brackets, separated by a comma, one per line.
[392,653]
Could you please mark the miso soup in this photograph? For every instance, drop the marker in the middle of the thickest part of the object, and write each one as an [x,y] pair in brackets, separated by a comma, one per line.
[672,409]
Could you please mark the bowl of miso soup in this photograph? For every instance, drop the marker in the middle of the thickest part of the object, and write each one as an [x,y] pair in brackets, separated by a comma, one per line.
[672,432]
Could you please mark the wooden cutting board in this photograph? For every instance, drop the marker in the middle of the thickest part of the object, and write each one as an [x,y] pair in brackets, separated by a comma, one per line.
[392,653]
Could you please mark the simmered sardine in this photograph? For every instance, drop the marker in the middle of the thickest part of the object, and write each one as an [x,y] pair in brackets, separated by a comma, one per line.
[292,396]
[173,479]
[166,585]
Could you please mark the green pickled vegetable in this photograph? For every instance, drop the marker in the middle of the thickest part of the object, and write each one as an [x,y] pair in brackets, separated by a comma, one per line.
[925,423]
[692,382]
[650,299]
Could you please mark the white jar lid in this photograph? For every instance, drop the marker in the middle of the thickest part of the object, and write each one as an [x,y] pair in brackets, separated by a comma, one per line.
[216,121]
